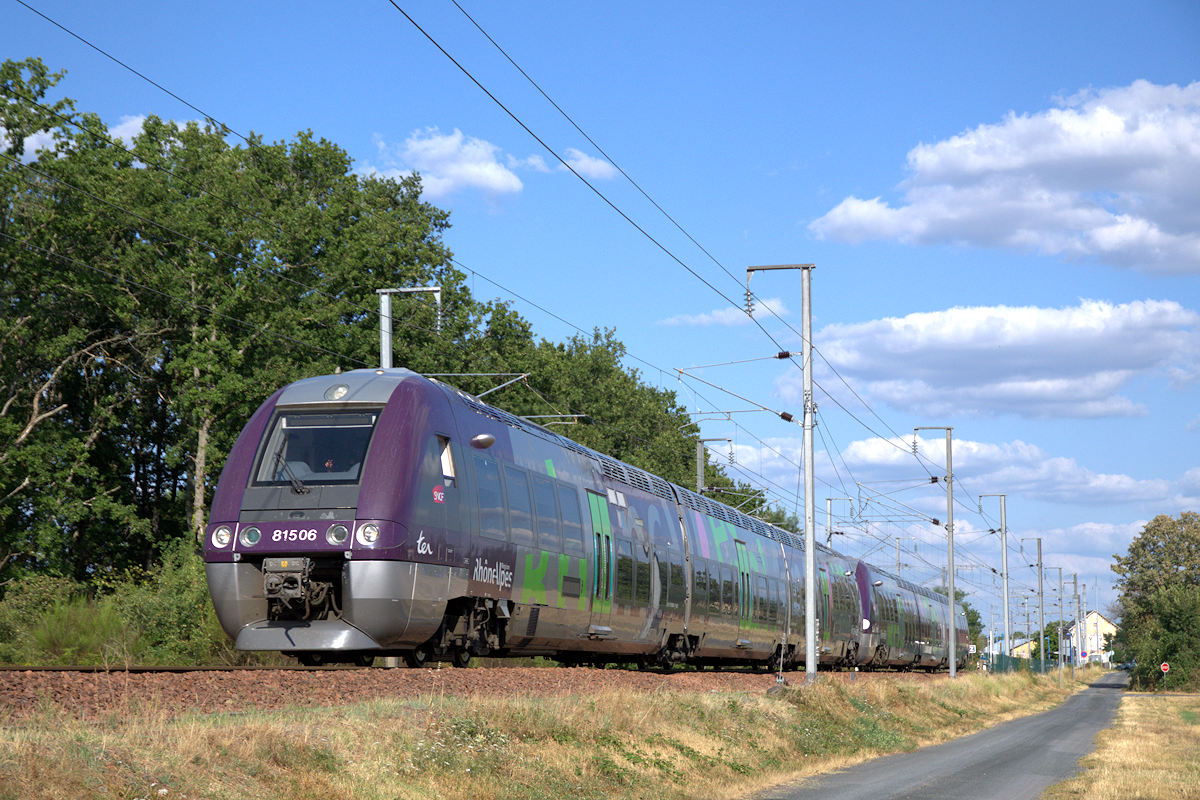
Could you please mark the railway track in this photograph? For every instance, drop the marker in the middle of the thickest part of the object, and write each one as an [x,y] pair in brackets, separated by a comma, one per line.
[93,693]
[136,669]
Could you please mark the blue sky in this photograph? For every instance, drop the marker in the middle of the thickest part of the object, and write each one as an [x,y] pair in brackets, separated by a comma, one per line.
[1002,203]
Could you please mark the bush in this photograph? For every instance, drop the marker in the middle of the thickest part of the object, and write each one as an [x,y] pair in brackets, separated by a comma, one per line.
[171,610]
[25,602]
[83,631]
[159,616]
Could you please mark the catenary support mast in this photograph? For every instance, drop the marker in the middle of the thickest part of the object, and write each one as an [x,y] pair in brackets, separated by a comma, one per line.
[810,517]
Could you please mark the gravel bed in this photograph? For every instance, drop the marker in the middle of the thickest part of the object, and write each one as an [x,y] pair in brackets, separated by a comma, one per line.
[90,695]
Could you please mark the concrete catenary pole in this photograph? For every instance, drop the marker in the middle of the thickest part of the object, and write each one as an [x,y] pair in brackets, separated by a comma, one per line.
[1041,612]
[385,318]
[1060,626]
[810,522]
[950,546]
[1004,573]
[1074,629]
[810,517]
[950,557]
[1085,648]
[700,460]
[385,328]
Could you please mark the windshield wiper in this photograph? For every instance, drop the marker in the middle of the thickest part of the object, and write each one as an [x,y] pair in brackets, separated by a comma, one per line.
[297,485]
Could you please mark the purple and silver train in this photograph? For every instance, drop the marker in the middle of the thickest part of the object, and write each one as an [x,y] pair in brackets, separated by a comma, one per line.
[382,513]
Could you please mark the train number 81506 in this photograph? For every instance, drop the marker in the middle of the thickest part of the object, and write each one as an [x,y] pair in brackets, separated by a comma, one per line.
[294,535]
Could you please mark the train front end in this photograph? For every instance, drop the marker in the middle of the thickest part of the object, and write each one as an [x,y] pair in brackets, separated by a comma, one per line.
[307,549]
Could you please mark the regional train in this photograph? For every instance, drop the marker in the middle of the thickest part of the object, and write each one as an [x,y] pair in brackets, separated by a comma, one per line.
[382,513]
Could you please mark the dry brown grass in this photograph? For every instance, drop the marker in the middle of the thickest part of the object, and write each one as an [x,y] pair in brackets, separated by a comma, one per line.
[1152,752]
[614,745]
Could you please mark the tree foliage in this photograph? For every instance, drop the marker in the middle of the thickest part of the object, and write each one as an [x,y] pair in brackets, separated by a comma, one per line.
[156,291]
[1159,581]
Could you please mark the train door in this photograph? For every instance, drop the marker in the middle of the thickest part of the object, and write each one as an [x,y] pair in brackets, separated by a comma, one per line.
[824,613]
[602,567]
[745,597]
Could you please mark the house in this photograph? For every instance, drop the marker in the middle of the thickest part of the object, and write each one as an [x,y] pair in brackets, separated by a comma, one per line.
[1022,648]
[1090,642]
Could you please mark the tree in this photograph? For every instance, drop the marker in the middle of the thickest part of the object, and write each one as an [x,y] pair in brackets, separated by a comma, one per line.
[1050,634]
[1159,581]
[973,618]
[156,292]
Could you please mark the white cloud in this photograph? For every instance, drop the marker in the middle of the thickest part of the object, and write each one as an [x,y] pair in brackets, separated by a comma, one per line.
[447,163]
[1112,175]
[42,140]
[1023,469]
[452,162]
[533,162]
[729,316]
[588,166]
[1039,362]
[127,129]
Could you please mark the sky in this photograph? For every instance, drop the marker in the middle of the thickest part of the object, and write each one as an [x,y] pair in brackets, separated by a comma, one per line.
[1002,202]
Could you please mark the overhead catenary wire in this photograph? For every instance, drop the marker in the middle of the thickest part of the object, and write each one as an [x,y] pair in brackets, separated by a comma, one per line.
[503,107]
[821,355]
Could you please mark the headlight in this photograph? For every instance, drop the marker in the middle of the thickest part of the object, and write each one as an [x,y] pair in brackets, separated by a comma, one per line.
[222,536]
[368,533]
[249,536]
[337,534]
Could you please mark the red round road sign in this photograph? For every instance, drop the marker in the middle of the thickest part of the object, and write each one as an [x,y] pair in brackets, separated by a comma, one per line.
[1165,667]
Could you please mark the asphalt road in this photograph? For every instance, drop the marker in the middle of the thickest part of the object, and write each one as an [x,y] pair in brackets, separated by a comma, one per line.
[1014,760]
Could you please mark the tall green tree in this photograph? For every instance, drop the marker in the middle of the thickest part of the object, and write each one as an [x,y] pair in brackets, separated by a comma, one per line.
[156,291]
[1159,582]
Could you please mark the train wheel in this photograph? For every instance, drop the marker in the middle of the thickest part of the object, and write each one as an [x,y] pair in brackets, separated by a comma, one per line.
[311,659]
[417,657]
[364,659]
[460,657]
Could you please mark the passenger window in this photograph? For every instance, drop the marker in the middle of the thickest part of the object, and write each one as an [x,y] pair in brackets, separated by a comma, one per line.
[624,571]
[520,510]
[664,581]
[549,533]
[447,456]
[572,522]
[642,583]
[728,599]
[678,589]
[491,498]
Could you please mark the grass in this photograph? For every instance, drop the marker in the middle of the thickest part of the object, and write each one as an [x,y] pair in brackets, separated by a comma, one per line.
[1152,752]
[611,745]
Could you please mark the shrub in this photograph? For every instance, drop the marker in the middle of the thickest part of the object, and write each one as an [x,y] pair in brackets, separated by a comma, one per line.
[25,602]
[170,608]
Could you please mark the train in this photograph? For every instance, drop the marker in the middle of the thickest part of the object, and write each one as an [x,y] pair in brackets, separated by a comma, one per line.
[379,512]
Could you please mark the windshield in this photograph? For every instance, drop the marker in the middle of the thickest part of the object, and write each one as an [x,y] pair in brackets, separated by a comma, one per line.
[306,448]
